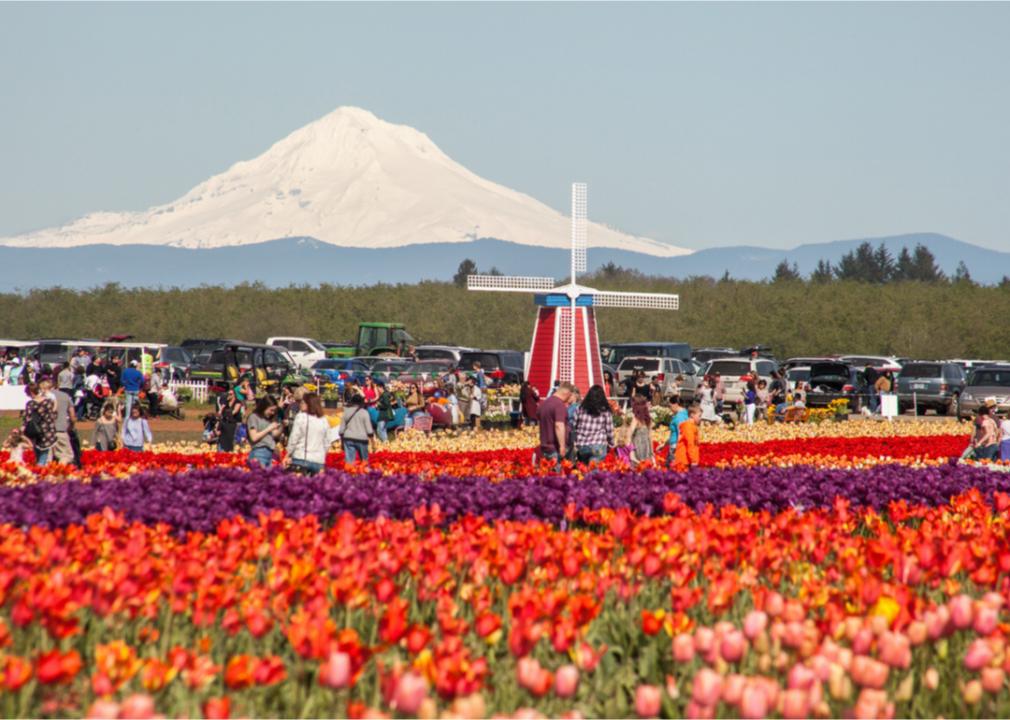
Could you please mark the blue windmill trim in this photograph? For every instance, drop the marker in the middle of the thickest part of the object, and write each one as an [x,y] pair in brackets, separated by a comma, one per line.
[561,300]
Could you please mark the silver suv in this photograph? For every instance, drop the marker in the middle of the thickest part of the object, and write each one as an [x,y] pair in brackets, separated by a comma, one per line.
[668,370]
[925,385]
[732,369]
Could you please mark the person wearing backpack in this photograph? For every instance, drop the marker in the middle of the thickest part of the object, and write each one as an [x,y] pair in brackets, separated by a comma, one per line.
[385,407]
[40,423]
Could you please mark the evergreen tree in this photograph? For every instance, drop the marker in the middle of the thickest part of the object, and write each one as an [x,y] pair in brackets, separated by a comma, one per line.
[904,268]
[924,267]
[785,273]
[494,271]
[961,274]
[823,273]
[1004,284]
[883,265]
[467,267]
[859,264]
[725,277]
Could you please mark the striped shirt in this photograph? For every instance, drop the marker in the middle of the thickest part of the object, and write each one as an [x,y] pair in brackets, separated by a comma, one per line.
[589,430]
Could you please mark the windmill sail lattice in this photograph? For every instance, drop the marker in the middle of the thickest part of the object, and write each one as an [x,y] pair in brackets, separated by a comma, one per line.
[566,346]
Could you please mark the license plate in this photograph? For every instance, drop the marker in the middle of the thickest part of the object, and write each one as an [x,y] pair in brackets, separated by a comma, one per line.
[918,386]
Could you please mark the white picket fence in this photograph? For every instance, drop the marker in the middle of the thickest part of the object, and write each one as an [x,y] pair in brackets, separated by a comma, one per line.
[198,388]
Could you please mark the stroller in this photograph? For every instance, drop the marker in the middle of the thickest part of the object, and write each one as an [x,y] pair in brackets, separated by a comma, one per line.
[168,404]
[211,428]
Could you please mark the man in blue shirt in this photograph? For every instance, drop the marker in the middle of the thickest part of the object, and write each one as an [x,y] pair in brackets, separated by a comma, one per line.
[132,381]
[679,415]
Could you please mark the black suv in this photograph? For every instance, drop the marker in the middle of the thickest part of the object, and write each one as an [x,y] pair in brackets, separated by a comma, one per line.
[924,385]
[501,367]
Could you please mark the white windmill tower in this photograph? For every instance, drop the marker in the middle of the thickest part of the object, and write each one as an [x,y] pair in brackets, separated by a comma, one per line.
[566,347]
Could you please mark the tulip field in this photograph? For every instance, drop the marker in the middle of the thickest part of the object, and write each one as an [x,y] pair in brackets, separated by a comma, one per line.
[852,569]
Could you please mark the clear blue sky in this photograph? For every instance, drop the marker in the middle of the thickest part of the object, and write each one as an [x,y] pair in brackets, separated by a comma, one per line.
[695,124]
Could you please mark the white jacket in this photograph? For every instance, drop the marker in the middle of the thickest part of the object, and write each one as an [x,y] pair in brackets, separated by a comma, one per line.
[311,437]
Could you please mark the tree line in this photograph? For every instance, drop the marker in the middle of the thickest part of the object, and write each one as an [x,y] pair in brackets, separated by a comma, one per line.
[878,266]
[799,316]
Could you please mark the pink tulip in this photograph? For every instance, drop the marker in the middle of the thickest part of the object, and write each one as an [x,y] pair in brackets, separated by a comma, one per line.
[732,688]
[960,608]
[647,700]
[755,623]
[754,702]
[793,634]
[704,639]
[528,671]
[410,692]
[993,599]
[335,672]
[821,667]
[566,681]
[795,704]
[733,646]
[526,713]
[979,655]
[103,710]
[698,712]
[707,687]
[931,679]
[937,622]
[993,679]
[986,619]
[774,604]
[895,650]
[683,648]
[868,672]
[800,677]
[863,641]
[917,632]
[137,707]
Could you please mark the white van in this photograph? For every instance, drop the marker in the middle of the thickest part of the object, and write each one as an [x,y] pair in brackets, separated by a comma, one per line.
[304,351]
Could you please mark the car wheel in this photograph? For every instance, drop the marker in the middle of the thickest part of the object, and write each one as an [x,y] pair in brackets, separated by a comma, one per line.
[920,409]
[953,407]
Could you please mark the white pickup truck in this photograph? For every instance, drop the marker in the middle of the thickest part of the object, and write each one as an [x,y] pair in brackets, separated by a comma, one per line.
[305,351]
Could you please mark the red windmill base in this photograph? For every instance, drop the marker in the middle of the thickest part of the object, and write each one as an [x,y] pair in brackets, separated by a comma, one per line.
[553,348]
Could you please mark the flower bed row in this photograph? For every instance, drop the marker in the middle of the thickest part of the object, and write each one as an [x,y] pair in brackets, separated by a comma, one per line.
[200,499]
[832,612]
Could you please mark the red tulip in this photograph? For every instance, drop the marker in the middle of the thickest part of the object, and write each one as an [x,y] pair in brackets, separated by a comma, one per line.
[217,708]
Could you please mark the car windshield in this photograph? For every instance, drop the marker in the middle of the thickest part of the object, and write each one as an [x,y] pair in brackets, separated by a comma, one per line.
[488,361]
[991,378]
[434,354]
[629,364]
[729,368]
[389,366]
[316,345]
[326,365]
[829,369]
[798,374]
[921,371]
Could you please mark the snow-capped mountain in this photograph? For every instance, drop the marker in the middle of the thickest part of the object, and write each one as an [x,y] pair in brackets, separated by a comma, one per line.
[348,179]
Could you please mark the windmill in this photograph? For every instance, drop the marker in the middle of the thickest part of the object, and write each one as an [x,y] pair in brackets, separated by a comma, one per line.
[566,347]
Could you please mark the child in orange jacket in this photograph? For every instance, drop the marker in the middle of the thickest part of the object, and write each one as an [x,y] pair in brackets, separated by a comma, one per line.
[687,453]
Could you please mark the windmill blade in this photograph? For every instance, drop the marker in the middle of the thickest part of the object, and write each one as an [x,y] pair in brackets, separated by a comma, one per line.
[654,301]
[509,283]
[579,214]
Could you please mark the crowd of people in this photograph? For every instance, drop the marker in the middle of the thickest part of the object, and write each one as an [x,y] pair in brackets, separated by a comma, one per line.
[583,429]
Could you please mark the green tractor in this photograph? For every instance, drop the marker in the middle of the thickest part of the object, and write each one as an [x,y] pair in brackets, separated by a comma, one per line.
[375,338]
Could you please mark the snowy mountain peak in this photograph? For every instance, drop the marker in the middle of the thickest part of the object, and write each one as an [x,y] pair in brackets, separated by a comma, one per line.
[349,179]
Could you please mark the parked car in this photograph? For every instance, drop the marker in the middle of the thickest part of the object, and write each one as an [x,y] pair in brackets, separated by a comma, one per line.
[992,381]
[440,352]
[387,369]
[426,374]
[339,370]
[807,361]
[833,380]
[305,351]
[925,385]
[879,362]
[706,354]
[201,348]
[501,367]
[731,370]
[666,369]
[681,351]
[174,361]
[797,374]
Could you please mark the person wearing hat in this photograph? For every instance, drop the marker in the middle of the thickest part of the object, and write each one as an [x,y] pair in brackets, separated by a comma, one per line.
[132,381]
[985,441]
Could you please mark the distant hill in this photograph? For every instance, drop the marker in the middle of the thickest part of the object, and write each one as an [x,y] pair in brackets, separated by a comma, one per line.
[280,263]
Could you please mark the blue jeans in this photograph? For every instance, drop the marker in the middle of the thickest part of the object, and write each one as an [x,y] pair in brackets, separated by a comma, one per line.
[380,430]
[355,450]
[262,456]
[874,399]
[131,397]
[42,457]
[591,454]
[307,467]
[135,448]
